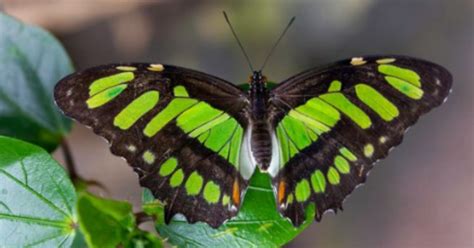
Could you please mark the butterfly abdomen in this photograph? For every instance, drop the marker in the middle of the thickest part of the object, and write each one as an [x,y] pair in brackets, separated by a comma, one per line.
[261,143]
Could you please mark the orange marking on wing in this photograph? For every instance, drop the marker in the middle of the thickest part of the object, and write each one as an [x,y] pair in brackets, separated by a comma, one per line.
[236,193]
[281,191]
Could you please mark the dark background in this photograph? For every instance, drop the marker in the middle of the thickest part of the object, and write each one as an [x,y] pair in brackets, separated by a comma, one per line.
[420,196]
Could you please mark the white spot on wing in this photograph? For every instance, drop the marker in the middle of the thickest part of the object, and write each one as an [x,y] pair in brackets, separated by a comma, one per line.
[358,61]
[232,208]
[385,60]
[156,67]
[126,68]
[131,148]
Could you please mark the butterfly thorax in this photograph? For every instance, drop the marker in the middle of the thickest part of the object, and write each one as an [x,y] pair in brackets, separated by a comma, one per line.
[258,96]
[260,135]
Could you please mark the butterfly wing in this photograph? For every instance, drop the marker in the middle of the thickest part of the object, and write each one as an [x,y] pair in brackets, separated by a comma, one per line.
[180,130]
[333,123]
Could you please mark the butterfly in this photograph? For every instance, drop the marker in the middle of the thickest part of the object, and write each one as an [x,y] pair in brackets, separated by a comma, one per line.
[195,140]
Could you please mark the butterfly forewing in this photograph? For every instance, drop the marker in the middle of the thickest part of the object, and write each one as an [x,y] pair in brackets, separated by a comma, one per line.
[333,123]
[181,130]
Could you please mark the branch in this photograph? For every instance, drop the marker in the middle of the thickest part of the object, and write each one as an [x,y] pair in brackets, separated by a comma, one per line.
[77,180]
[69,160]
[142,217]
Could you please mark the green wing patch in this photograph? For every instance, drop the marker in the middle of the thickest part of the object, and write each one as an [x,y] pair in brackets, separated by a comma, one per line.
[343,118]
[214,128]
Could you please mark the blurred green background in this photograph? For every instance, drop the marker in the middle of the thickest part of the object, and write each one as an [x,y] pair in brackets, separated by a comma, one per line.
[420,196]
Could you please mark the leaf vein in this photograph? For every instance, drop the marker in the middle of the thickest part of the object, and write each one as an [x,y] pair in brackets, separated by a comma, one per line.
[34,220]
[37,242]
[34,192]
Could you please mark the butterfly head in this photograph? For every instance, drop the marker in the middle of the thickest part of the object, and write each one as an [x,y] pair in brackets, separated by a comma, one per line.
[257,78]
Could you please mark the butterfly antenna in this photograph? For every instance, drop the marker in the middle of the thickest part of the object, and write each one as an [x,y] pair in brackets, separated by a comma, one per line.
[278,41]
[238,41]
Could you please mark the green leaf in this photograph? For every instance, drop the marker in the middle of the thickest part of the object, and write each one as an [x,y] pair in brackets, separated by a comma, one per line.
[153,207]
[258,223]
[104,222]
[142,239]
[36,198]
[31,62]
[79,241]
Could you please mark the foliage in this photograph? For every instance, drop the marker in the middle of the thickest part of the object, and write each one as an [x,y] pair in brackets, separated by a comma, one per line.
[36,197]
[32,61]
[116,220]
[39,206]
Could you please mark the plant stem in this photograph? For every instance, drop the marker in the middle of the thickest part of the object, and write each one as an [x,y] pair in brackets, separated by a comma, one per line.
[69,160]
[77,180]
[142,217]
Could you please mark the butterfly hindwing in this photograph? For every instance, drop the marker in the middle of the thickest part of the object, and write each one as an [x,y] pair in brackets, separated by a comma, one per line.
[333,123]
[181,131]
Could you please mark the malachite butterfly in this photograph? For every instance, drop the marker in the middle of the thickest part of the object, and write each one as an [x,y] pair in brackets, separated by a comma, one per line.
[195,139]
